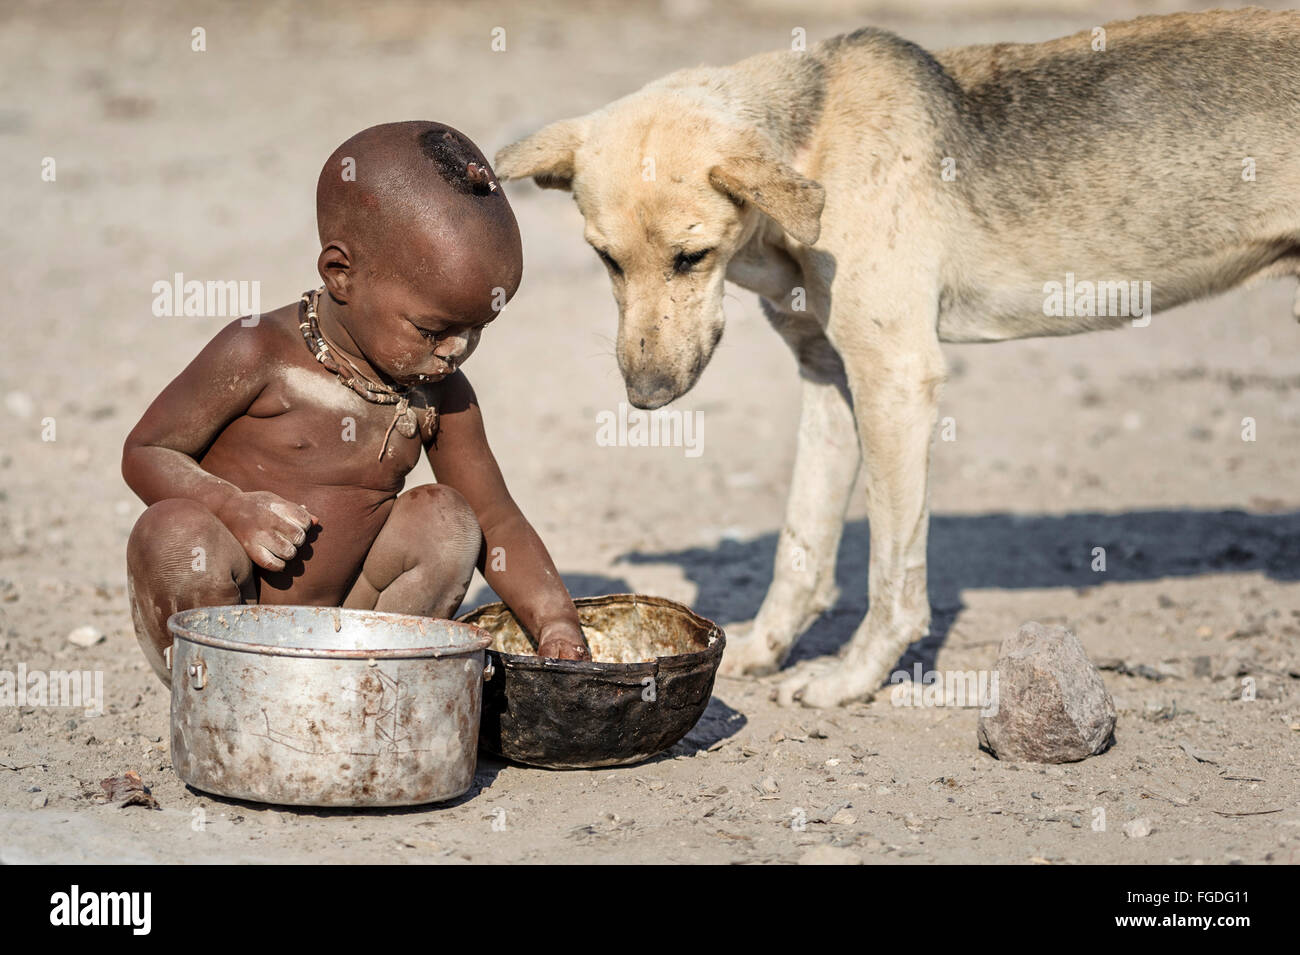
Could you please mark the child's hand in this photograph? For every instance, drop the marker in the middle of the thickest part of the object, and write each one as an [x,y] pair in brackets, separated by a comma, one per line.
[563,642]
[269,528]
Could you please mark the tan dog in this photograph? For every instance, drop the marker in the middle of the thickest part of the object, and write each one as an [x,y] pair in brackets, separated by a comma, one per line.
[881,200]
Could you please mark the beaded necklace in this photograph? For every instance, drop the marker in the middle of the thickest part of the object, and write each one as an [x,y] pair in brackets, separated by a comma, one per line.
[404,417]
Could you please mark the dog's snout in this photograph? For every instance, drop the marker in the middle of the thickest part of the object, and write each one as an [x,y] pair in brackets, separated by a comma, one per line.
[651,391]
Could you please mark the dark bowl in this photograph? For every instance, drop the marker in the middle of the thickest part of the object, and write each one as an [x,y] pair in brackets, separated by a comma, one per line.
[647,685]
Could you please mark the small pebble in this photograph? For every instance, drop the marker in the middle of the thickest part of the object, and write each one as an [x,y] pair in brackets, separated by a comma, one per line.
[86,636]
[1137,828]
[20,404]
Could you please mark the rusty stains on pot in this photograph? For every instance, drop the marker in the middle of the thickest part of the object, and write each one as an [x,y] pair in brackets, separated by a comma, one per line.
[318,706]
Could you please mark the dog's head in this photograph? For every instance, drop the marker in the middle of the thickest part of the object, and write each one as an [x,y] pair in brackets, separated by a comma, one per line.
[670,193]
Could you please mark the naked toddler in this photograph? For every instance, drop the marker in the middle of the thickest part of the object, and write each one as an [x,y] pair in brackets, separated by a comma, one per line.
[273,466]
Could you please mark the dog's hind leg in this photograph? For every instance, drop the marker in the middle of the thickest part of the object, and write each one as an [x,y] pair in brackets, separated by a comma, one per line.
[826,465]
[895,378]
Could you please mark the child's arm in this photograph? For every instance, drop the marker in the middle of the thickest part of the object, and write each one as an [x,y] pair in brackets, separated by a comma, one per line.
[159,458]
[515,562]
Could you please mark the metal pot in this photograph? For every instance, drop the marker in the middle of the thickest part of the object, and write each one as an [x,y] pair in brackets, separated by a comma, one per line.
[320,706]
[648,684]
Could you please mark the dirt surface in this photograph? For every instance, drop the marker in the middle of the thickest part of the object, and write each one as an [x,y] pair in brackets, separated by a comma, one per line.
[205,163]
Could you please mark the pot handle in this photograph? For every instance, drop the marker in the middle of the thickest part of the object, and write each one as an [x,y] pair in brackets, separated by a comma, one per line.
[198,674]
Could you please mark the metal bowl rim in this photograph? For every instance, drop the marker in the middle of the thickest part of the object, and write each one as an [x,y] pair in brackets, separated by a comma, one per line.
[529,661]
[482,639]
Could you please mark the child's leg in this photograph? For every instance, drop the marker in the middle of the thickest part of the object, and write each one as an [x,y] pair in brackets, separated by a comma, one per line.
[423,559]
[181,556]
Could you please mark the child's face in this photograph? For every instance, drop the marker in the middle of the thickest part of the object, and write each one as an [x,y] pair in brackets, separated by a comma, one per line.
[419,321]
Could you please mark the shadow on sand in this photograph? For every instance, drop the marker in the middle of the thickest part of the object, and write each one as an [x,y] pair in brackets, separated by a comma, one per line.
[1000,551]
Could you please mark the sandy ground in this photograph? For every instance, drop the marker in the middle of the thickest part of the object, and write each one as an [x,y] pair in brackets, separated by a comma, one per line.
[205,163]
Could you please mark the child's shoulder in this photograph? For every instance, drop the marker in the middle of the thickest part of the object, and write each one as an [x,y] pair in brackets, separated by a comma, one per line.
[454,393]
[255,338]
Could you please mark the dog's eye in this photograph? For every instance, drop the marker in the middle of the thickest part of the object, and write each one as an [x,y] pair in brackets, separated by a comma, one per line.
[609,260]
[686,261]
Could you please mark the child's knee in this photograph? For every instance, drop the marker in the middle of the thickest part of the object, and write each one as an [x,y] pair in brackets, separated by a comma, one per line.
[178,536]
[440,505]
[437,518]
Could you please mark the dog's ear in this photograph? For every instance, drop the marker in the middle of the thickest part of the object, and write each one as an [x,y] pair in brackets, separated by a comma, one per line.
[794,201]
[546,155]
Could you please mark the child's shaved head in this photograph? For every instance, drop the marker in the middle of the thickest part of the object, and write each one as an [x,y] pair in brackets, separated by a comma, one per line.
[391,182]
[419,249]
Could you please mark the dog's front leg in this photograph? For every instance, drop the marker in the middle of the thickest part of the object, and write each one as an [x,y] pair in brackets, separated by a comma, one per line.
[895,381]
[827,456]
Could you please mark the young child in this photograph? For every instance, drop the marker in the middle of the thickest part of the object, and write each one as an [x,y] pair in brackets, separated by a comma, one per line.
[273,465]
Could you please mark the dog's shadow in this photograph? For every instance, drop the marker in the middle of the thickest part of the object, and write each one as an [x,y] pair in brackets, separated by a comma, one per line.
[1003,551]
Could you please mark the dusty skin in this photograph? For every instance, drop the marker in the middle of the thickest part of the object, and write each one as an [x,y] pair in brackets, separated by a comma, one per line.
[268,483]
[1128,440]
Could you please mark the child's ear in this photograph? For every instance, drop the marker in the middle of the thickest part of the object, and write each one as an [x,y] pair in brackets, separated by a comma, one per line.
[335,267]
[546,156]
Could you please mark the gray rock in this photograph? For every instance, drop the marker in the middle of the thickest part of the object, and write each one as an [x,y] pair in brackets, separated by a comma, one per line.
[1052,706]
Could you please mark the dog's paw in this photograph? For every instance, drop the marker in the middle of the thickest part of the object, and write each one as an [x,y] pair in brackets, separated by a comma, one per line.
[747,655]
[822,684]
[791,688]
